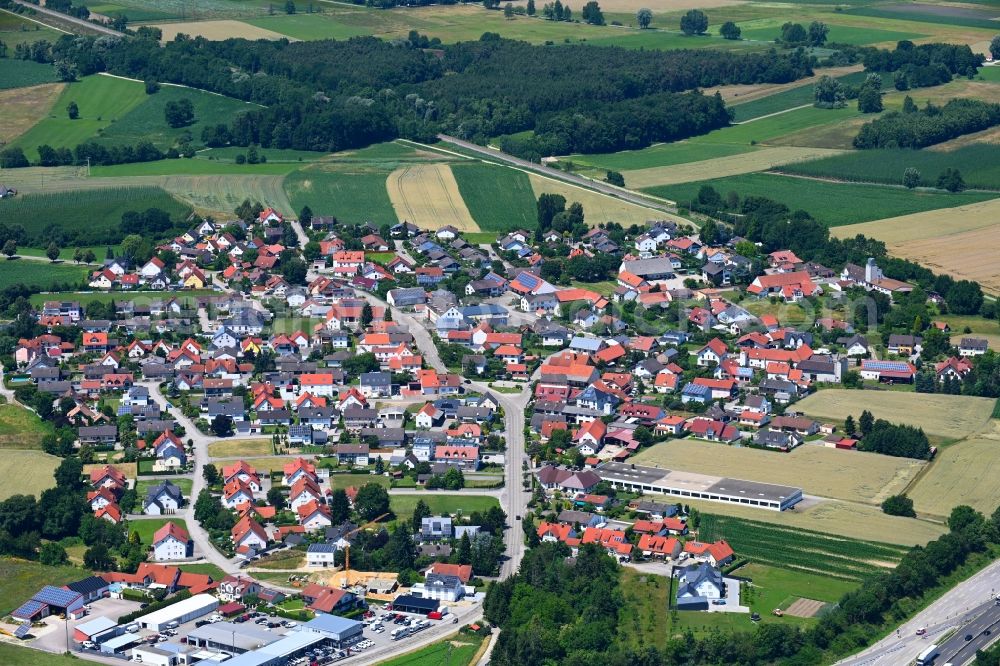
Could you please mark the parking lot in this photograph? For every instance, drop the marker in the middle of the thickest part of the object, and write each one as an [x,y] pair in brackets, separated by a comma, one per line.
[53,639]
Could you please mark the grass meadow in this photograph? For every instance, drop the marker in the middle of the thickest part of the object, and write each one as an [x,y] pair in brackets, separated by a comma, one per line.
[834,204]
[102,100]
[962,473]
[147,528]
[404,505]
[21,429]
[232,448]
[143,486]
[40,274]
[454,650]
[147,121]
[26,473]
[786,99]
[20,579]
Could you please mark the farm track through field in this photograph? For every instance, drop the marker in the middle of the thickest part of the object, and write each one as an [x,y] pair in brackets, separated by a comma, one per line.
[428,196]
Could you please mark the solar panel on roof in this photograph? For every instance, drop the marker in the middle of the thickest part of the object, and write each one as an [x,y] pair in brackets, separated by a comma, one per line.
[22,631]
[55,596]
[28,608]
[887,365]
[528,280]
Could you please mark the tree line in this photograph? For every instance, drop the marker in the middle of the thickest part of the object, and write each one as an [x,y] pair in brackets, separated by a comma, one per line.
[331,95]
[919,128]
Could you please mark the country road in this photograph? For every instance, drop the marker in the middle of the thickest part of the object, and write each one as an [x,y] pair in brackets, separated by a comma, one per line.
[72,19]
[555,174]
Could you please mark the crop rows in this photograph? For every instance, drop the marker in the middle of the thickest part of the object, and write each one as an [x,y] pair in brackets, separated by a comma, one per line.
[799,549]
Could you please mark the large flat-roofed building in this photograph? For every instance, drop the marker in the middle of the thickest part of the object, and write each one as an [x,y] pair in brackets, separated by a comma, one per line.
[281,651]
[231,637]
[181,612]
[699,486]
[341,630]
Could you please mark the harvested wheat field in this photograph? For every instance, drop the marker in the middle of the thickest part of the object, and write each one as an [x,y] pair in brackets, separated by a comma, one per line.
[849,475]
[950,416]
[733,165]
[599,208]
[964,473]
[805,607]
[958,241]
[23,107]
[427,195]
[217,30]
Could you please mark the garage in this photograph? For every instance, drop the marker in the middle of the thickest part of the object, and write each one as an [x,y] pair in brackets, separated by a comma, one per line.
[180,612]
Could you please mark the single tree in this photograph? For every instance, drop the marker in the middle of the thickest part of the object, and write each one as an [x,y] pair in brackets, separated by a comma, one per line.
[276,498]
[10,248]
[305,216]
[98,558]
[615,178]
[89,257]
[950,179]
[78,255]
[644,17]
[995,47]
[464,554]
[530,9]
[869,100]
[694,22]
[372,501]
[866,422]
[508,11]
[222,426]
[52,251]
[818,32]
[52,554]
[911,178]
[899,505]
[909,106]
[210,473]
[289,7]
[340,506]
[829,94]
[849,425]
[73,111]
[592,13]
[420,512]
[730,30]
[179,113]
[793,34]
[367,314]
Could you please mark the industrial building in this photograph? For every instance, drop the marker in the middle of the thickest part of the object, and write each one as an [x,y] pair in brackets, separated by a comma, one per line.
[281,651]
[341,630]
[120,643]
[231,637]
[637,478]
[97,630]
[180,612]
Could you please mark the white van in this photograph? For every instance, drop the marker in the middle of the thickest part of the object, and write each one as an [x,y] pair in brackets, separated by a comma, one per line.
[173,624]
[132,628]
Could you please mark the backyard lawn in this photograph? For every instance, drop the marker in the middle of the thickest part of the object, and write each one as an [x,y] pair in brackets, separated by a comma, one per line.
[146,528]
[403,505]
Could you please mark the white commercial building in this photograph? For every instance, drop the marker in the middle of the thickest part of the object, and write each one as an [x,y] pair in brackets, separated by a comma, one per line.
[180,612]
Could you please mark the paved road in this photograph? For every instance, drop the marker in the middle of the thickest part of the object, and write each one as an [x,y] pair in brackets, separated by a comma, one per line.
[960,605]
[603,188]
[201,458]
[72,19]
[984,630]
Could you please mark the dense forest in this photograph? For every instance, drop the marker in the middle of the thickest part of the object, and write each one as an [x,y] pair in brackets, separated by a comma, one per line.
[924,65]
[331,95]
[559,611]
[918,128]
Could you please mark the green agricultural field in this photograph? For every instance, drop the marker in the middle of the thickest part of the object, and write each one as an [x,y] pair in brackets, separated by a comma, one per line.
[146,10]
[457,650]
[134,12]
[21,429]
[40,274]
[800,550]
[766,130]
[671,39]
[187,297]
[991,73]
[91,216]
[979,164]
[102,100]
[194,168]
[310,26]
[786,99]
[499,199]
[926,14]
[20,579]
[352,194]
[664,154]
[21,73]
[16,30]
[147,120]
[344,481]
[841,34]
[403,505]
[16,655]
[26,473]
[147,528]
[143,486]
[274,155]
[833,204]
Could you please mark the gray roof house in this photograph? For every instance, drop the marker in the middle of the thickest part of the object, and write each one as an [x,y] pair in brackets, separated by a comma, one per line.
[697,585]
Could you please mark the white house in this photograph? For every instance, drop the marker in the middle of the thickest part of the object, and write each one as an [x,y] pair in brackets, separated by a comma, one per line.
[171,542]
